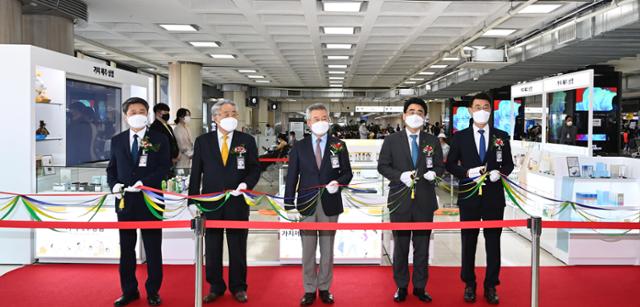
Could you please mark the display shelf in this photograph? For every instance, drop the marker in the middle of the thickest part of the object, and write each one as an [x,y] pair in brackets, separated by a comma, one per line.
[55,138]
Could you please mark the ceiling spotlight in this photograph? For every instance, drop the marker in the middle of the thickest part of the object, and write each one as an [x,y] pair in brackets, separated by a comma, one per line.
[205,44]
[498,32]
[337,57]
[338,46]
[179,28]
[335,6]
[540,8]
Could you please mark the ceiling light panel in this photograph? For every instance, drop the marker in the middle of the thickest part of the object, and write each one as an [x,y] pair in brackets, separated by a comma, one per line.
[179,27]
[498,32]
[337,57]
[540,8]
[338,30]
[335,6]
[338,46]
[222,56]
[337,66]
[205,44]
[438,66]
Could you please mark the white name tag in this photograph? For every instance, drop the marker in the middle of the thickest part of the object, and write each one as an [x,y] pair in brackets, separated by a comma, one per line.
[143,161]
[499,156]
[240,162]
[429,162]
[335,162]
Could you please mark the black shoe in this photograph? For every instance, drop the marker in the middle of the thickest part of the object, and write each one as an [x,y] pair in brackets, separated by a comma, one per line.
[212,297]
[241,296]
[401,295]
[154,300]
[308,299]
[422,295]
[469,294]
[126,299]
[492,296]
[326,297]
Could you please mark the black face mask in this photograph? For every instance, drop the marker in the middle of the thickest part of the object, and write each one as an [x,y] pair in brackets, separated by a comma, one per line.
[165,117]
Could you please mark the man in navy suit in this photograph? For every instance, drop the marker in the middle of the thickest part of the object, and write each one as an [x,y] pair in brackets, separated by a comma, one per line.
[411,159]
[225,159]
[475,151]
[139,157]
[317,160]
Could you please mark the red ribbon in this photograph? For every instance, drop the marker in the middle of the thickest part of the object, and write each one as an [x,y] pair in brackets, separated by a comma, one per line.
[284,160]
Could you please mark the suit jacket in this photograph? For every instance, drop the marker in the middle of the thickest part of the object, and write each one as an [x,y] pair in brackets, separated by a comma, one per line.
[463,156]
[210,175]
[168,132]
[394,159]
[123,169]
[303,176]
[568,135]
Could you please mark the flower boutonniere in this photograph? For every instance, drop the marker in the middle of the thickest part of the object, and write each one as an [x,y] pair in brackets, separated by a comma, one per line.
[147,146]
[428,150]
[336,148]
[239,150]
[498,143]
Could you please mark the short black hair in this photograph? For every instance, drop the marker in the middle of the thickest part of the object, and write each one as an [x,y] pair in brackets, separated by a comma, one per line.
[182,112]
[161,107]
[292,133]
[134,100]
[568,116]
[414,100]
[482,96]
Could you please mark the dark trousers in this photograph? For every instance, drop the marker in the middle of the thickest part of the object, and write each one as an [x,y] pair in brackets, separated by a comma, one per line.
[152,241]
[237,244]
[470,241]
[401,241]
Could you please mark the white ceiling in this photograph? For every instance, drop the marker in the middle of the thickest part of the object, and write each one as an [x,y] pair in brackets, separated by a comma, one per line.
[283,41]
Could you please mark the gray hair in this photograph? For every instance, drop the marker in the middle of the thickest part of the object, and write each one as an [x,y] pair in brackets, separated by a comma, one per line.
[216,107]
[313,107]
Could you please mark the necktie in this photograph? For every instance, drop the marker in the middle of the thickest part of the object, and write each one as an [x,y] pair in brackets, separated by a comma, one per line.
[483,146]
[225,150]
[318,153]
[134,148]
[414,150]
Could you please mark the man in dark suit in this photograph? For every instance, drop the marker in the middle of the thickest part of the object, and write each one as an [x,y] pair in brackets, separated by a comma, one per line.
[139,157]
[161,125]
[478,149]
[407,156]
[224,160]
[317,160]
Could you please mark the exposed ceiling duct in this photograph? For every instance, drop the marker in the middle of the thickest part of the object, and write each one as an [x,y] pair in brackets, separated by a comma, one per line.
[72,9]
[597,37]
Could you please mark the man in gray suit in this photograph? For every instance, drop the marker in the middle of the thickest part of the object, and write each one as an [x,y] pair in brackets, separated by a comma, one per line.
[317,160]
[411,160]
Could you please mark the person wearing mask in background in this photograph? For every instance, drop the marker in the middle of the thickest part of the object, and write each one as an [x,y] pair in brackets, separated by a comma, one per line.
[292,138]
[225,160]
[269,130]
[317,160]
[568,131]
[445,147]
[475,151]
[139,156]
[183,138]
[411,160]
[364,132]
[161,124]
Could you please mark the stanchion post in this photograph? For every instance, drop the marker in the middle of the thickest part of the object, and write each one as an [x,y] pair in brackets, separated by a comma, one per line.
[535,226]
[451,192]
[198,227]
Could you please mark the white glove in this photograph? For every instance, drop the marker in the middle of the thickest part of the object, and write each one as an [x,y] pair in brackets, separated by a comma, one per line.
[406,178]
[294,215]
[193,211]
[494,175]
[117,189]
[430,175]
[238,190]
[134,187]
[332,187]
[475,172]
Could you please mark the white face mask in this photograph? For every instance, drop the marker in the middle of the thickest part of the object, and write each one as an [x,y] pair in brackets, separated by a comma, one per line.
[569,123]
[187,119]
[137,121]
[481,117]
[229,124]
[414,121]
[320,128]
